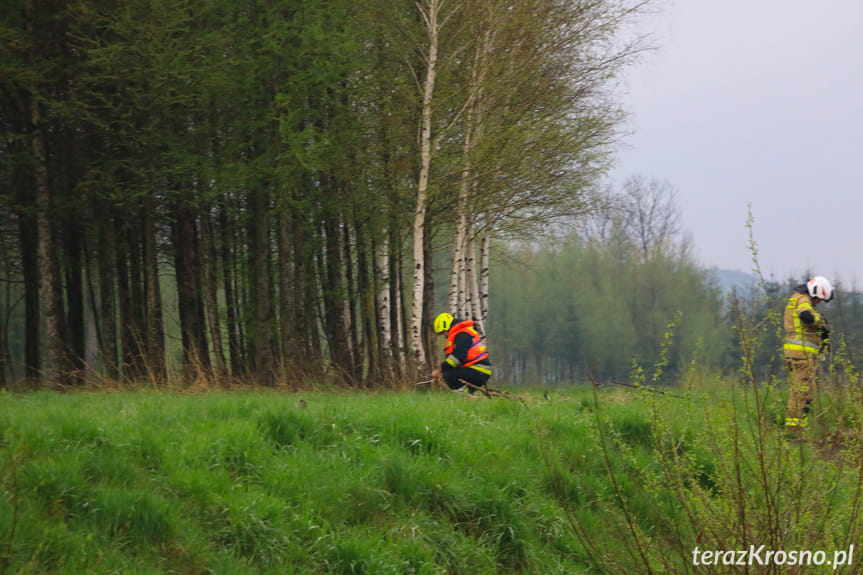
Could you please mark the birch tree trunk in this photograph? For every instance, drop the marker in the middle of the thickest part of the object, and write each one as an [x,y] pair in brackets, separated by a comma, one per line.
[483,279]
[456,282]
[383,305]
[461,298]
[468,289]
[430,16]
[473,286]
[397,298]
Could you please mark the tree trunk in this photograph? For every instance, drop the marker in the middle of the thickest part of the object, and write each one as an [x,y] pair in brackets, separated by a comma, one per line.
[303,294]
[138,301]
[473,285]
[259,256]
[483,280]
[108,315]
[334,316]
[384,322]
[458,295]
[210,294]
[352,322]
[314,317]
[154,323]
[74,296]
[5,313]
[229,285]
[419,272]
[127,324]
[429,339]
[456,282]
[398,316]
[55,369]
[287,328]
[401,335]
[29,238]
[92,344]
[370,356]
[195,353]
[464,258]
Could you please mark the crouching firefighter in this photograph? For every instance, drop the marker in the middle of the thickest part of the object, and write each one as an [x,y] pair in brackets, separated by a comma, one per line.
[466,354]
[806,336]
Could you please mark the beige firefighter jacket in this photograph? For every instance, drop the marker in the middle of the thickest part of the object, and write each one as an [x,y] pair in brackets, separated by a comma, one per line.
[802,340]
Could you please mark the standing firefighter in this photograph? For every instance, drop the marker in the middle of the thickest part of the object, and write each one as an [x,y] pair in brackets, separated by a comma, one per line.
[466,355]
[806,336]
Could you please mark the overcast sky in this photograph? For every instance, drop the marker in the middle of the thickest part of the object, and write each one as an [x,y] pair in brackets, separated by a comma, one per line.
[756,102]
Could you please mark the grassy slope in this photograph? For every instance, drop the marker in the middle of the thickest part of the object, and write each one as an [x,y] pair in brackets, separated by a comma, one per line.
[143,482]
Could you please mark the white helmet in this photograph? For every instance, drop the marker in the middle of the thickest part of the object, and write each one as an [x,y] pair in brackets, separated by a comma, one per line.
[820,287]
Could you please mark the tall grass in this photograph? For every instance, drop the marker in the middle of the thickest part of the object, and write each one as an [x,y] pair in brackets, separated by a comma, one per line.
[715,471]
[585,481]
[147,482]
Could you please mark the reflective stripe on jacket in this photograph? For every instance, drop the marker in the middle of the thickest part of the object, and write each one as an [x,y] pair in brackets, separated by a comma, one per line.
[476,353]
[802,340]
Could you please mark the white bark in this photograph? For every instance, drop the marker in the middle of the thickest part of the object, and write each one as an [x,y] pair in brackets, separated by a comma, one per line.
[473,286]
[483,279]
[399,334]
[383,298]
[430,16]
[467,305]
[456,284]
[464,292]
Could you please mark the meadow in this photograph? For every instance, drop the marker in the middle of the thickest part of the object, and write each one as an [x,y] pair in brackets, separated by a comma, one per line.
[569,480]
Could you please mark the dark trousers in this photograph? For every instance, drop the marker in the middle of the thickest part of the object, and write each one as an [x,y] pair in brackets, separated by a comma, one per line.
[470,375]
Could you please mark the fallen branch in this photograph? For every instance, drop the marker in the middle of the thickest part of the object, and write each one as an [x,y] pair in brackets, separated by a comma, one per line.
[634,386]
[492,393]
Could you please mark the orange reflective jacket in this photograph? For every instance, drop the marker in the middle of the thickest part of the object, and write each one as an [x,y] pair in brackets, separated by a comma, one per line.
[476,352]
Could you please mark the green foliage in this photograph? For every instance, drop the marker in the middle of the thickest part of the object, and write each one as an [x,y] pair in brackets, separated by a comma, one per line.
[590,306]
[297,120]
[578,481]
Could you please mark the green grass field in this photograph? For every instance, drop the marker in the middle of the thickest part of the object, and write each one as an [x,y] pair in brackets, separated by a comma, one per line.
[623,481]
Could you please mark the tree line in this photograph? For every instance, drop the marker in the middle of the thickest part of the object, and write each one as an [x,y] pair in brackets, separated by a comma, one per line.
[620,297]
[614,295]
[282,174]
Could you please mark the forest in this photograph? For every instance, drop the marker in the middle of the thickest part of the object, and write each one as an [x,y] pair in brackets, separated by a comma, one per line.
[289,192]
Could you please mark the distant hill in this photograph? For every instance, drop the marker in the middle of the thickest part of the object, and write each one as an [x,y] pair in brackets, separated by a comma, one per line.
[730,279]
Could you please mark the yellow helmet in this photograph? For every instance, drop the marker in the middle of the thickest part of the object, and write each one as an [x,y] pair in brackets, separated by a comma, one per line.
[442,322]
